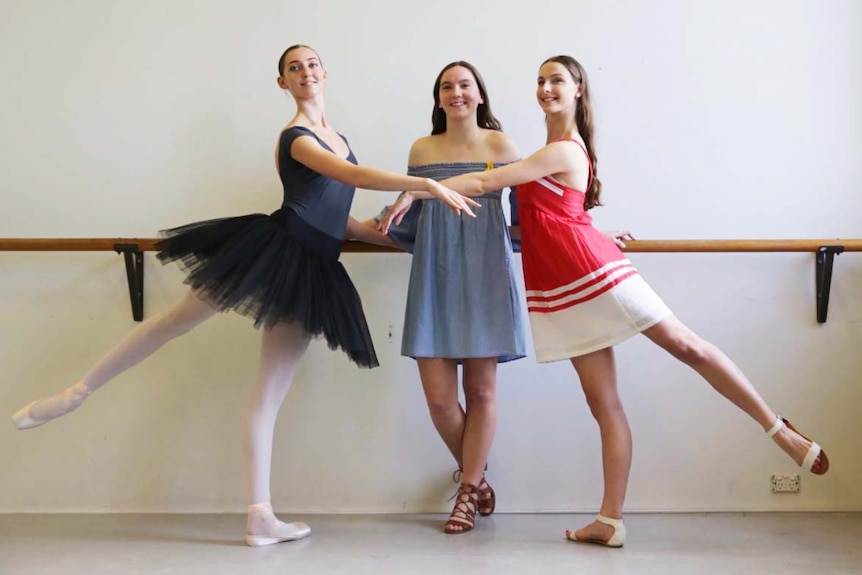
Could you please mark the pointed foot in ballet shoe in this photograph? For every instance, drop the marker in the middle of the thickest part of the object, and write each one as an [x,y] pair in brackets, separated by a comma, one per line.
[290,532]
[616,540]
[43,410]
[815,461]
[22,420]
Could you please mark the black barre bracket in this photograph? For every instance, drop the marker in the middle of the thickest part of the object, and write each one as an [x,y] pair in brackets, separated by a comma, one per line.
[135,274]
[823,277]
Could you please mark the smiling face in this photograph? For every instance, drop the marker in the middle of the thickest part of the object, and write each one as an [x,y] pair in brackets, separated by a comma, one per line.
[459,95]
[459,92]
[302,73]
[557,91]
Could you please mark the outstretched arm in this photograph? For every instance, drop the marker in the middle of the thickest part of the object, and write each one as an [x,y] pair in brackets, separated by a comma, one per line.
[307,151]
[555,158]
[504,151]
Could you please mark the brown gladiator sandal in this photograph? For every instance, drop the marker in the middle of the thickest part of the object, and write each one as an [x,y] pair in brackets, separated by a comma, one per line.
[487,496]
[464,513]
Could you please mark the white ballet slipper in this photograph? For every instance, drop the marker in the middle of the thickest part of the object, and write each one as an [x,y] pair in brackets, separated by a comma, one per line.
[286,532]
[264,528]
[22,419]
[52,407]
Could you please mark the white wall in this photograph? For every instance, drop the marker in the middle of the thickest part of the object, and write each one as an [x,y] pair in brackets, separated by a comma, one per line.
[715,119]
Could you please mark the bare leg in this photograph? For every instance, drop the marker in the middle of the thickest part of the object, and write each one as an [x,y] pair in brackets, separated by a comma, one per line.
[281,349]
[467,435]
[182,316]
[440,383]
[727,379]
[598,375]
[480,391]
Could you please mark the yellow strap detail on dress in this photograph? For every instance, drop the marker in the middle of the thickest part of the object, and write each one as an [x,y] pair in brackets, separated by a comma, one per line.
[489,166]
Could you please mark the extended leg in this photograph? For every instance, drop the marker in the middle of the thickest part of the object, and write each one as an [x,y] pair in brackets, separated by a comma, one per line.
[728,380]
[182,316]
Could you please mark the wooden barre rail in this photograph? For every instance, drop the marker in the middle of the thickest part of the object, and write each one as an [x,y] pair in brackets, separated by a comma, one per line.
[133,252]
[640,246]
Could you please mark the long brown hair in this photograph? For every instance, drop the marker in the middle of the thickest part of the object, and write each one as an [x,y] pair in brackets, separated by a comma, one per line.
[484,117]
[584,122]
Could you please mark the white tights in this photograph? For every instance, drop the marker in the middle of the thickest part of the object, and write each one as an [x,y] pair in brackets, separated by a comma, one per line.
[280,351]
[282,347]
[152,334]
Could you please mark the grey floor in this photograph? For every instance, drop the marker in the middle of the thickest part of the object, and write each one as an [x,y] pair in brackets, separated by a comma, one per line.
[701,544]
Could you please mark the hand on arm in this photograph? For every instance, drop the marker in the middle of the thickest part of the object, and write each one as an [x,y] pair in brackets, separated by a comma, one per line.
[396,212]
[366,232]
[457,202]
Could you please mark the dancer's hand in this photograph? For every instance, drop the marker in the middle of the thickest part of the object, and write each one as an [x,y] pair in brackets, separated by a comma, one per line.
[453,199]
[618,236]
[367,232]
[396,212]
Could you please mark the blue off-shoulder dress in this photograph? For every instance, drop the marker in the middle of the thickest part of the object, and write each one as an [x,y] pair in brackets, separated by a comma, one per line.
[463,300]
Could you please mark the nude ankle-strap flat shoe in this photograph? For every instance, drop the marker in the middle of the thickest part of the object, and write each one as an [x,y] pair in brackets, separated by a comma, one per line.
[617,540]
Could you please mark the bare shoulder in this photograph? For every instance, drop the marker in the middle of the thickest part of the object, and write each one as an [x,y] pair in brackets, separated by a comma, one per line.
[422,149]
[569,163]
[502,146]
[574,147]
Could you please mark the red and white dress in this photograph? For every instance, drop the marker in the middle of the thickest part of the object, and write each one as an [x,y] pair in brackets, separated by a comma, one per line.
[583,294]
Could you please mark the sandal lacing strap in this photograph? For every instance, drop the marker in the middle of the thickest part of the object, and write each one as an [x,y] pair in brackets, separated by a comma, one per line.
[464,513]
[487,495]
[487,498]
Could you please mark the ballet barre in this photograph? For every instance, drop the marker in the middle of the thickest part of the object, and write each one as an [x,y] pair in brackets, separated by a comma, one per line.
[133,250]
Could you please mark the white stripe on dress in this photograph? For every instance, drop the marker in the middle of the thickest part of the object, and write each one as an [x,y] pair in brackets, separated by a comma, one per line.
[604,270]
[551,186]
[581,294]
[608,319]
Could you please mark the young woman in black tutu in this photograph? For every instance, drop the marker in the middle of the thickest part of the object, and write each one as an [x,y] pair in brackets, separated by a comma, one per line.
[282,270]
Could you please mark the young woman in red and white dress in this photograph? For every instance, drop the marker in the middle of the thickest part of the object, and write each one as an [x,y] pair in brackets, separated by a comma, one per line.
[584,296]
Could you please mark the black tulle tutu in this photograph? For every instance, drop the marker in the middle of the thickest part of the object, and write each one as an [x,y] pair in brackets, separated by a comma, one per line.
[254,265]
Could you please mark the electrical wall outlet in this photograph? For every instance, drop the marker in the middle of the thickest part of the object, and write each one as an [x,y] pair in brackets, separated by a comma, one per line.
[785,484]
